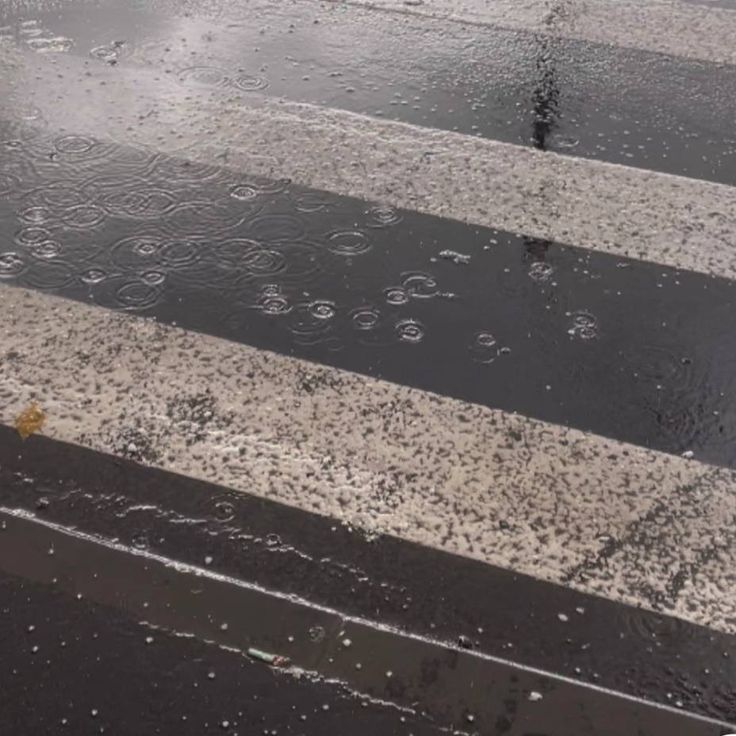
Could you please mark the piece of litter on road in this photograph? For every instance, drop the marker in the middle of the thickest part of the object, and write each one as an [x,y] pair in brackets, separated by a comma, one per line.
[273,659]
[454,256]
[30,420]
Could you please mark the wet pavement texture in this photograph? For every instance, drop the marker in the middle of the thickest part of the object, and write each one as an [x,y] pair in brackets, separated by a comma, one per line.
[627,349]
[130,596]
[73,666]
[512,617]
[590,100]
[391,672]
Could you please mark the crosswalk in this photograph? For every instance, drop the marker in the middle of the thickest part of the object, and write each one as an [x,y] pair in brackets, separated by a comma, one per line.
[498,354]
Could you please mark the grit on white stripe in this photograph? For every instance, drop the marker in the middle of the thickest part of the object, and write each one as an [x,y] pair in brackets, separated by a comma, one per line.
[670,220]
[673,27]
[628,523]
[665,26]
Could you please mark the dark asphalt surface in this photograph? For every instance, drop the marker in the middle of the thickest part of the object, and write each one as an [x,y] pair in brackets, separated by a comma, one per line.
[72,666]
[395,674]
[512,617]
[130,596]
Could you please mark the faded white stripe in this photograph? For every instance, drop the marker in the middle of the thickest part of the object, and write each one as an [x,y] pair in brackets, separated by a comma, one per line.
[664,26]
[526,495]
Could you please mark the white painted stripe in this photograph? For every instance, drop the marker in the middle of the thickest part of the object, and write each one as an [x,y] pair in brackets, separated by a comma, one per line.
[665,26]
[628,212]
[670,220]
[382,457]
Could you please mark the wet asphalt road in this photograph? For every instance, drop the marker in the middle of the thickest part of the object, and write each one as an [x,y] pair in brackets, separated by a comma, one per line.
[438,407]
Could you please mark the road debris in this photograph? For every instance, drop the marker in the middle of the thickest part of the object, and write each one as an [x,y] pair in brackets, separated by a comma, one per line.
[29,421]
[276,660]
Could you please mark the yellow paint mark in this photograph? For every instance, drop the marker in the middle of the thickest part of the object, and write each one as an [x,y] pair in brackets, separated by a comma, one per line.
[30,420]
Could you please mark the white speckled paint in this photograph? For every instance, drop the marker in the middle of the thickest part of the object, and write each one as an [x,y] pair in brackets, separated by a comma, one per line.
[666,26]
[631,524]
